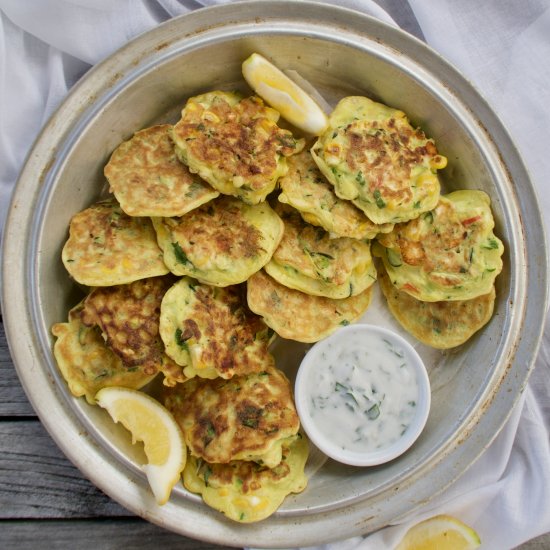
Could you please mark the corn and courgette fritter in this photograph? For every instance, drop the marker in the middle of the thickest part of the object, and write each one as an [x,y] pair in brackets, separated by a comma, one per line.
[107,247]
[234,144]
[248,417]
[308,259]
[245,491]
[306,189]
[88,364]
[440,325]
[295,315]
[211,332]
[449,253]
[375,158]
[220,243]
[147,179]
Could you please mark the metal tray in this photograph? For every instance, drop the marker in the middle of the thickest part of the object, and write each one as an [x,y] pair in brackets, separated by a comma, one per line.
[340,52]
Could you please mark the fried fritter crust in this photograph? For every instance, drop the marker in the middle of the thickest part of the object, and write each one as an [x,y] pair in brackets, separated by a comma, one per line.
[298,316]
[441,325]
[87,364]
[147,178]
[212,332]
[450,253]
[239,419]
[221,243]
[305,188]
[128,316]
[234,144]
[374,157]
[307,259]
[107,247]
[245,491]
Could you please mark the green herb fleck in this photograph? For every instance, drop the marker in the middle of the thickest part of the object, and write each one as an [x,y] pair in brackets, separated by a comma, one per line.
[181,340]
[373,413]
[250,416]
[378,198]
[287,141]
[206,475]
[181,257]
[350,394]
[492,244]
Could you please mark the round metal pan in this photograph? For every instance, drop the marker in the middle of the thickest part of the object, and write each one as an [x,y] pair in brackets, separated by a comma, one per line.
[340,52]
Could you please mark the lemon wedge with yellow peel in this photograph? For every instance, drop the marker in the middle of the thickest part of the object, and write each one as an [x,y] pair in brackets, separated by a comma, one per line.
[150,422]
[440,533]
[284,95]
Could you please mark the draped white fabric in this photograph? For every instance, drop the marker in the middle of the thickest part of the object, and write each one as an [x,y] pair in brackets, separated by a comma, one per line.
[503,47]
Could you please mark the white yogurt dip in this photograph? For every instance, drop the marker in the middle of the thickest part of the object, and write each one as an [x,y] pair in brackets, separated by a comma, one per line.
[359,392]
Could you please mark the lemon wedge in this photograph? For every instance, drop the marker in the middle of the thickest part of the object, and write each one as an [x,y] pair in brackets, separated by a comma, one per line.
[150,422]
[440,533]
[284,95]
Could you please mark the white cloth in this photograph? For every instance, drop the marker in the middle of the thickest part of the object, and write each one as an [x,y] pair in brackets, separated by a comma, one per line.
[503,47]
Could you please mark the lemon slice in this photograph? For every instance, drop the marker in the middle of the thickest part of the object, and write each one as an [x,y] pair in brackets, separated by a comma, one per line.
[284,95]
[440,533]
[150,422]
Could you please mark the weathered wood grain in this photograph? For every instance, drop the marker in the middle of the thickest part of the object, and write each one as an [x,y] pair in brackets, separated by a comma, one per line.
[37,480]
[13,401]
[97,534]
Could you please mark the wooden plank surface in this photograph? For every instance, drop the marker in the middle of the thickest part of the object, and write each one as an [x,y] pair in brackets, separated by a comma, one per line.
[107,534]
[13,401]
[51,487]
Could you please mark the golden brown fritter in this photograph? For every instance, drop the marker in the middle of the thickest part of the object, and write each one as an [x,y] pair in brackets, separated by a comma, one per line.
[211,331]
[221,243]
[234,144]
[147,178]
[87,364]
[244,418]
[449,253]
[307,259]
[441,325]
[245,491]
[128,316]
[298,316]
[375,158]
[305,188]
[107,247]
